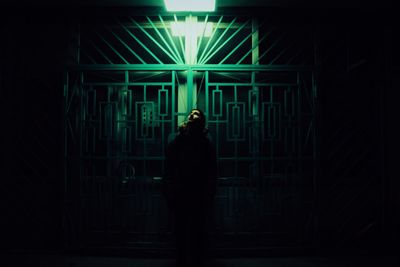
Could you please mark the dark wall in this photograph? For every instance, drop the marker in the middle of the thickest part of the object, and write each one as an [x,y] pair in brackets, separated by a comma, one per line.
[33,45]
[354,183]
[357,189]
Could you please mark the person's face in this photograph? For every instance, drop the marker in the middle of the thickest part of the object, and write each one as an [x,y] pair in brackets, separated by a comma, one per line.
[194,115]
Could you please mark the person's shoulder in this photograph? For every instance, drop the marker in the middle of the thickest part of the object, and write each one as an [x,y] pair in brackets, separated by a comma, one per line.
[172,137]
[175,138]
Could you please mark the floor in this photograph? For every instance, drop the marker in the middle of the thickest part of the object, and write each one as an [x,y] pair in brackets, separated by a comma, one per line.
[59,260]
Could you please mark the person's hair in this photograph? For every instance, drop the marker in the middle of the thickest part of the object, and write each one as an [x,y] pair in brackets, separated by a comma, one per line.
[202,118]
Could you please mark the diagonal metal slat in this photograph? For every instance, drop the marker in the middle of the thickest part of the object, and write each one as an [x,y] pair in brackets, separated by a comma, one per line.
[128,47]
[219,39]
[171,40]
[202,35]
[254,47]
[295,55]
[211,38]
[180,40]
[269,49]
[141,43]
[226,41]
[154,40]
[280,54]
[100,51]
[174,57]
[237,47]
[112,48]
[88,56]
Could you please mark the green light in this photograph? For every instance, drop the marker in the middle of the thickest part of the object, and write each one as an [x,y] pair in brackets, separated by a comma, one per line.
[190,5]
[195,28]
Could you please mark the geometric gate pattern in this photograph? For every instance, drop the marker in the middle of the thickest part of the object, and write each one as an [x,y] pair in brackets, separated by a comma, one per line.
[124,97]
[263,134]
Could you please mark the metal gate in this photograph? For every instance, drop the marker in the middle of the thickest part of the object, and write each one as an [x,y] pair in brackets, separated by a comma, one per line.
[132,82]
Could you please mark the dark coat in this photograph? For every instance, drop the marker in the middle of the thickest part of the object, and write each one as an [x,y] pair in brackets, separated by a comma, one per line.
[190,172]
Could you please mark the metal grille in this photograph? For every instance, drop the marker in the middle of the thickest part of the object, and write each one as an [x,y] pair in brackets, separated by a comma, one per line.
[233,40]
[130,87]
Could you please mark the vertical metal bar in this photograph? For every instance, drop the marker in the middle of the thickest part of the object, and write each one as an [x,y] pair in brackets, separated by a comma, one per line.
[271,121]
[190,89]
[174,57]
[180,96]
[162,125]
[173,74]
[255,133]
[219,39]
[145,137]
[109,128]
[127,111]
[211,37]
[159,96]
[213,101]
[271,139]
[180,41]
[232,122]
[236,174]
[217,90]
[171,40]
[224,43]
[206,97]
[199,91]
[254,41]
[255,46]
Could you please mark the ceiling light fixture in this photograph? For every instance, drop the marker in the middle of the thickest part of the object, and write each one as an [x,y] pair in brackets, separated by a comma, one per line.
[190,5]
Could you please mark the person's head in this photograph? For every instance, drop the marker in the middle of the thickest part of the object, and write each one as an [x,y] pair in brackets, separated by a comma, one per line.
[197,119]
[196,122]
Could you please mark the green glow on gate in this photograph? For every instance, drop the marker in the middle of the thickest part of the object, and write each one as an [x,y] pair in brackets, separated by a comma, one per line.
[190,5]
[188,28]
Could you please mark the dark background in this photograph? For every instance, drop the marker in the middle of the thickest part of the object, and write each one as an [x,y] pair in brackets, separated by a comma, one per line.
[357,122]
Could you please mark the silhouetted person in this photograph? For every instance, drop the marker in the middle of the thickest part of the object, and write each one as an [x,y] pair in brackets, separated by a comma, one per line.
[190,185]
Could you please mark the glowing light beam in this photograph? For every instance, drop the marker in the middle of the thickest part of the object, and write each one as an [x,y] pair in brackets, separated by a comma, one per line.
[189,28]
